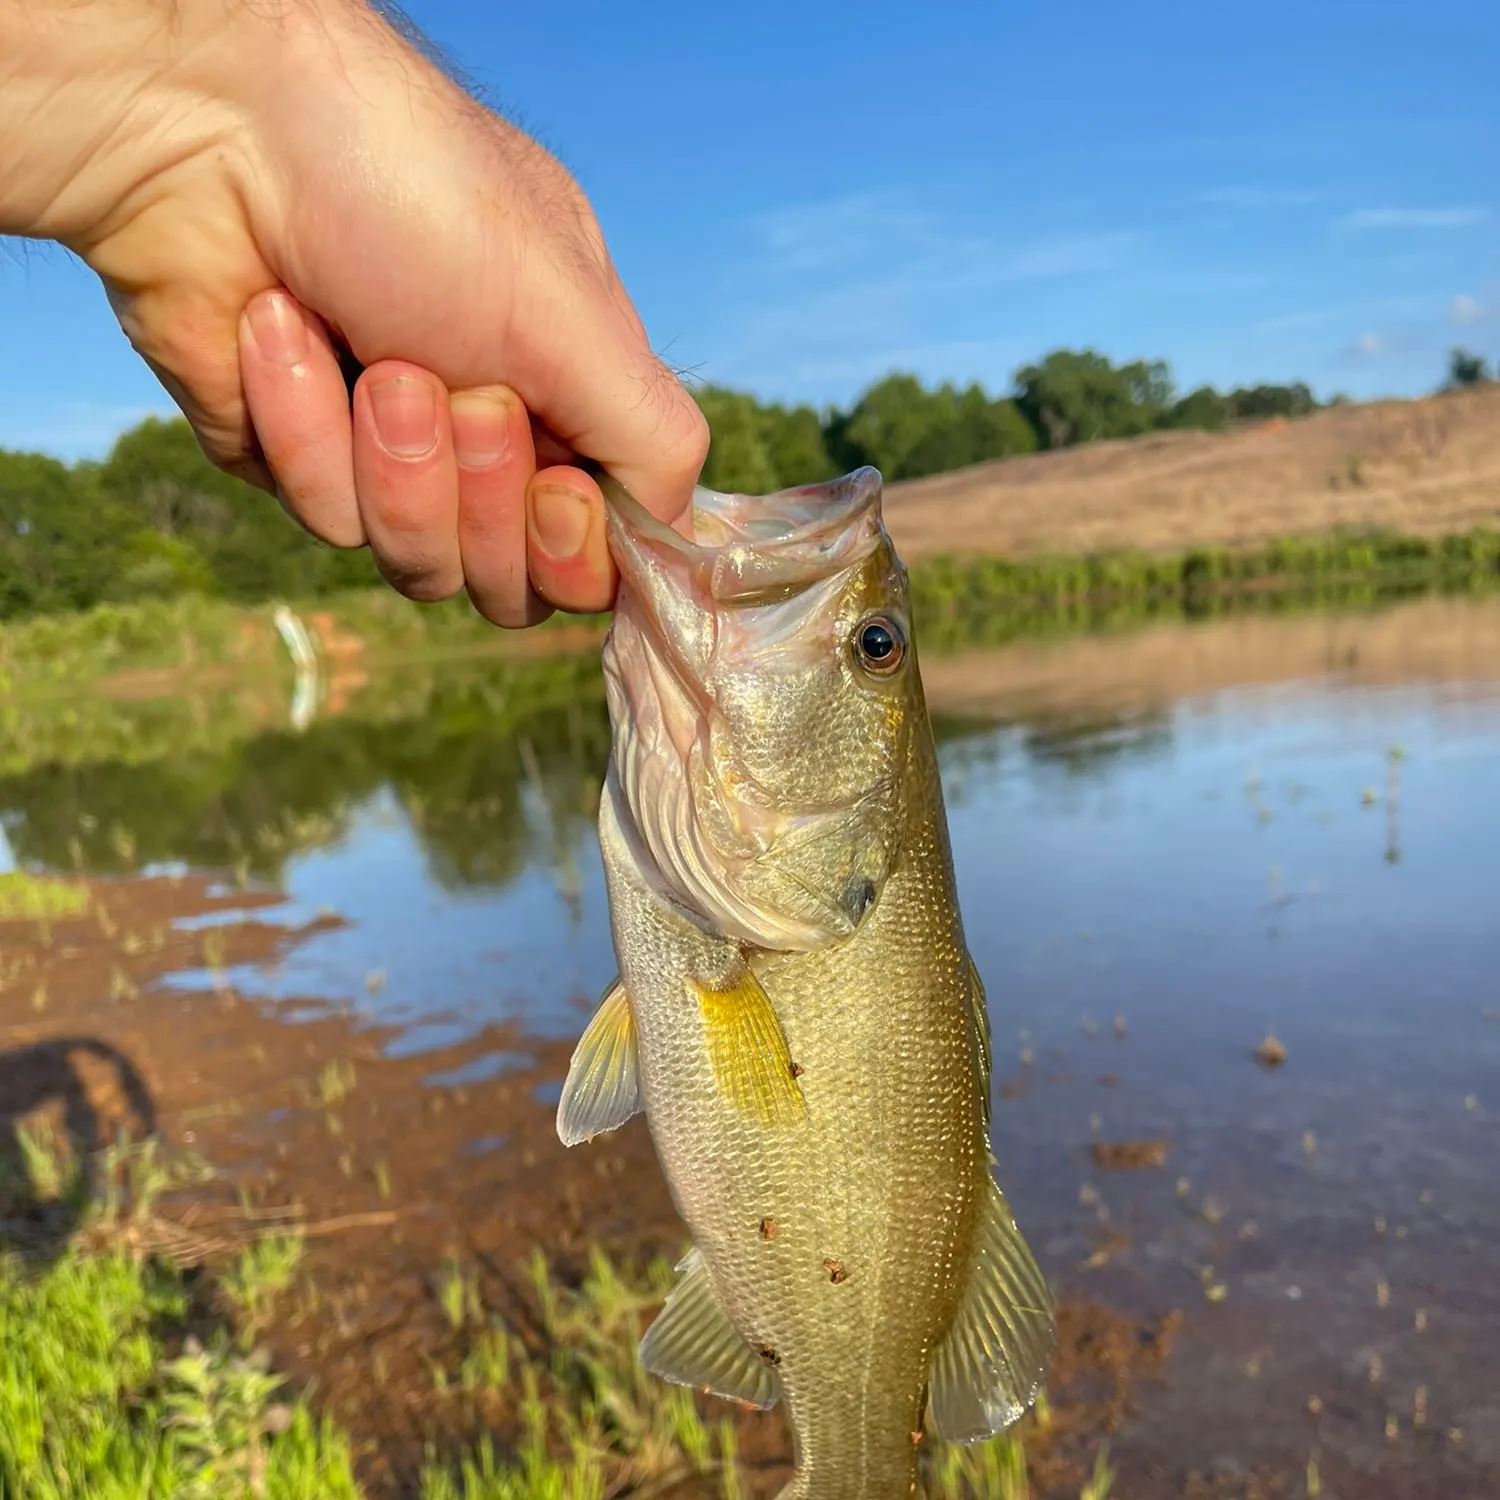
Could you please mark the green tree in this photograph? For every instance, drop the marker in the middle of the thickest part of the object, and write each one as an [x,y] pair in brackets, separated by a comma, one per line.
[59,536]
[198,529]
[739,460]
[1204,408]
[1466,368]
[1079,397]
[888,423]
[1262,401]
[794,443]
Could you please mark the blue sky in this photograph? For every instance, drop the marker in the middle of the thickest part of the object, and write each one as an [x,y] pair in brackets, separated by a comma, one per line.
[801,198]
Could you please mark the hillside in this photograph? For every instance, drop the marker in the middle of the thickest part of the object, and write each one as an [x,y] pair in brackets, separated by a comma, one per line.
[1431,465]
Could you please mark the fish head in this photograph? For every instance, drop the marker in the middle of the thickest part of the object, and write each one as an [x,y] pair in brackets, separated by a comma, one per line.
[762,687]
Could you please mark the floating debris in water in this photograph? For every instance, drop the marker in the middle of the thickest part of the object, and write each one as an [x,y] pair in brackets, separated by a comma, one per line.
[1419,1321]
[1271,1052]
[1216,1291]
[1129,1156]
[1119,1025]
[1309,1142]
[1419,1407]
[1382,1294]
[1184,1187]
[1471,1102]
[1377,1369]
[1315,1405]
[1392,1427]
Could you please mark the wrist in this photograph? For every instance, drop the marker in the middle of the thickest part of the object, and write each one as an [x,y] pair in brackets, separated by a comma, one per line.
[100,100]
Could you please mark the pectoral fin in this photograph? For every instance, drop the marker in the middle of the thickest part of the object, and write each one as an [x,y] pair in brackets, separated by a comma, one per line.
[603,1088]
[994,1360]
[693,1343]
[748,1051]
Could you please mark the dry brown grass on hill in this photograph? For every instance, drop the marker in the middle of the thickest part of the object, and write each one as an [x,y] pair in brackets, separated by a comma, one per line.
[1417,466]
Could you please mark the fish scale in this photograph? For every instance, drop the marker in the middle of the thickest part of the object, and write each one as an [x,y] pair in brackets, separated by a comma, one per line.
[818,1100]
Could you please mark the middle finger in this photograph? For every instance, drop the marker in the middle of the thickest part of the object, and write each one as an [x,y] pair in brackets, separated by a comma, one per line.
[406,478]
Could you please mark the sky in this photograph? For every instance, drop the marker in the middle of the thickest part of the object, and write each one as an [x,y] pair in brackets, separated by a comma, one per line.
[802,198]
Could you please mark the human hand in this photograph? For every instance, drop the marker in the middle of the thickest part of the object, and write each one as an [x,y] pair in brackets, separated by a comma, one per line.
[261,185]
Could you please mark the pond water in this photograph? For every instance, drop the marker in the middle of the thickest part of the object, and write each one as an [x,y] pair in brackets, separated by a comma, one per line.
[1168,843]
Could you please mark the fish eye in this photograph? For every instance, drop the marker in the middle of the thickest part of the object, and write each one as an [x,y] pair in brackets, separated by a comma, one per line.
[880,645]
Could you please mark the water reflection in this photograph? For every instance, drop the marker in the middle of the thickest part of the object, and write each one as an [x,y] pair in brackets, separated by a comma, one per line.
[1207,832]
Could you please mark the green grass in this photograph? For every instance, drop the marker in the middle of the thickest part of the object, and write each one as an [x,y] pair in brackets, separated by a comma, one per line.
[107,1393]
[197,635]
[40,898]
[974,600]
[194,635]
[104,1395]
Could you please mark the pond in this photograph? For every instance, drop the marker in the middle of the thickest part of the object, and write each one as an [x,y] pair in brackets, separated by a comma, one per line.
[1171,843]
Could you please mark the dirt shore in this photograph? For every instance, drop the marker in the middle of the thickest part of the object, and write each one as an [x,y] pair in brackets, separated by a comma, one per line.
[1423,466]
[403,1164]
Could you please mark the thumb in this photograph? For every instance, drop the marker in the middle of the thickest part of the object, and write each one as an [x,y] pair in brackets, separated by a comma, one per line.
[612,400]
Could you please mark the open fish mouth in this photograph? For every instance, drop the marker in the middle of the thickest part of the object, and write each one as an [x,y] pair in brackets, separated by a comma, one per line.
[748,549]
[758,786]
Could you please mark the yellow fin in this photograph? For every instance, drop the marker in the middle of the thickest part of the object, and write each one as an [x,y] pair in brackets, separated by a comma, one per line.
[748,1051]
[693,1343]
[994,1359]
[603,1088]
[981,1016]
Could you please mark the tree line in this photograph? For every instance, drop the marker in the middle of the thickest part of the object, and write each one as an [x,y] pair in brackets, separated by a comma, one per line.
[155,519]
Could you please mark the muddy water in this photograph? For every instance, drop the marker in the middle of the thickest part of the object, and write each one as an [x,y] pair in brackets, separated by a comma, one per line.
[1168,844]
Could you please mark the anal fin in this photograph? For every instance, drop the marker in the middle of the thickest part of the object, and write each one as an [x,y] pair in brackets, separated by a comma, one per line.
[603,1087]
[994,1359]
[748,1051]
[693,1343]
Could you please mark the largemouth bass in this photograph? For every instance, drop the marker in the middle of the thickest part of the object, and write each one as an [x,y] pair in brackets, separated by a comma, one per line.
[796,1012]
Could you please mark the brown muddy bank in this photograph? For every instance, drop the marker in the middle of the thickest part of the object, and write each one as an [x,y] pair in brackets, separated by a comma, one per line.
[398,1164]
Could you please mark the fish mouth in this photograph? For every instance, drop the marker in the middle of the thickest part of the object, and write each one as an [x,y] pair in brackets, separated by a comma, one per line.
[742,549]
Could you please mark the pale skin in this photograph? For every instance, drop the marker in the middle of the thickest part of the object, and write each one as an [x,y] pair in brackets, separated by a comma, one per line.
[259,182]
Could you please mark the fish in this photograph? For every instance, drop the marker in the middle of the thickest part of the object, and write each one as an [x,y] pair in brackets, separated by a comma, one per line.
[796,1012]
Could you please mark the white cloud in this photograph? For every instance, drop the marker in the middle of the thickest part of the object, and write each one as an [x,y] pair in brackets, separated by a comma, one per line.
[1465,310]
[1257,199]
[811,236]
[836,293]
[1414,218]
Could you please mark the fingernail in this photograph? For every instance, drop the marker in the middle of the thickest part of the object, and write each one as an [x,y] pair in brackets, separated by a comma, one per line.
[559,521]
[481,428]
[278,331]
[405,412]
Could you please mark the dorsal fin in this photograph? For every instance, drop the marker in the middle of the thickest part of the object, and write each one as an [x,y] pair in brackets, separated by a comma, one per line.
[693,1343]
[603,1087]
[994,1359]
